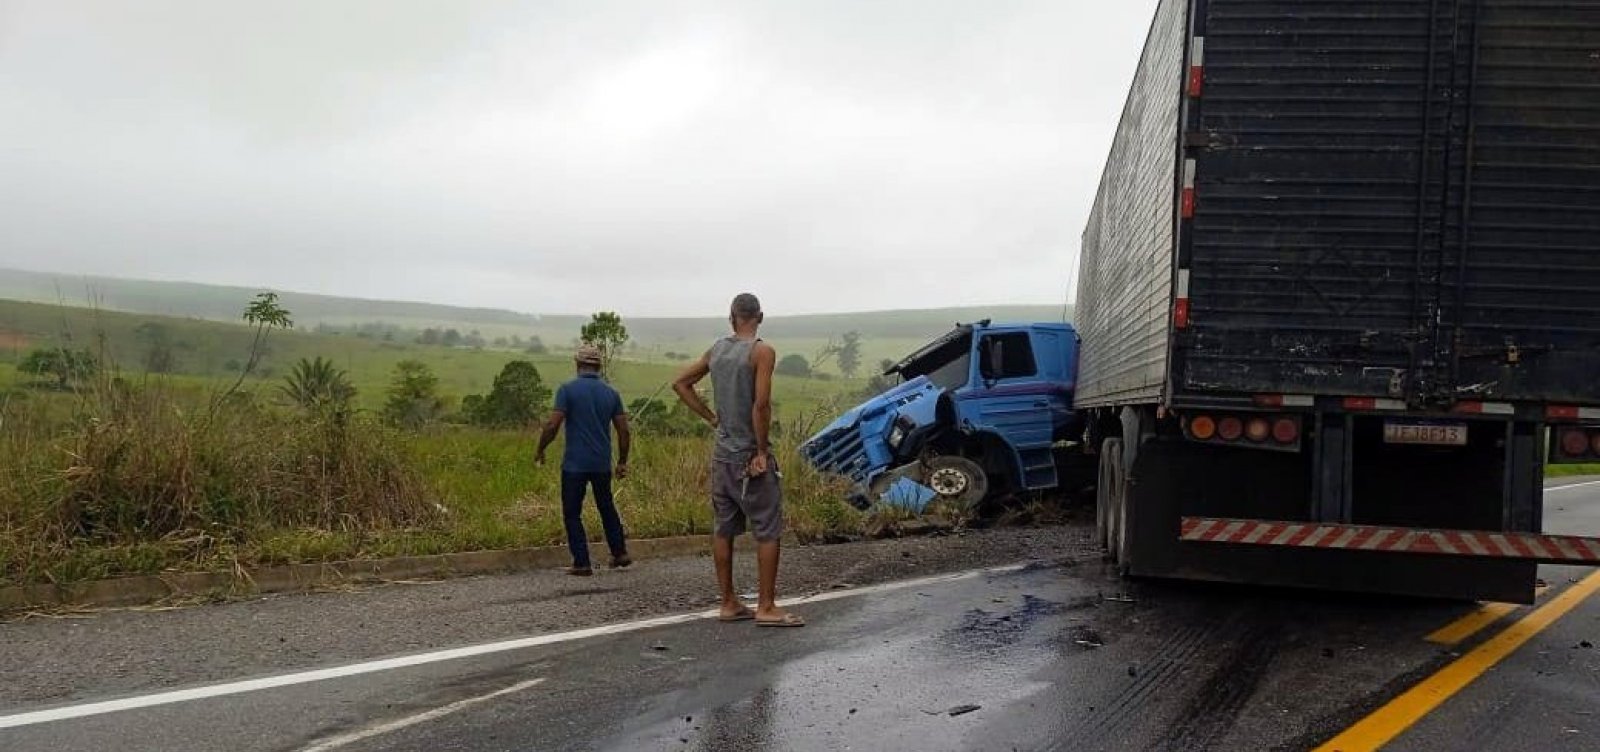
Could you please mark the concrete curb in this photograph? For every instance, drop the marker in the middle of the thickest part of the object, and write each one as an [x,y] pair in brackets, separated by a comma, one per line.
[145,589]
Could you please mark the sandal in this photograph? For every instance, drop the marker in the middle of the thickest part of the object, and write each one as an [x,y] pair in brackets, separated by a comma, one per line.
[743,614]
[787,620]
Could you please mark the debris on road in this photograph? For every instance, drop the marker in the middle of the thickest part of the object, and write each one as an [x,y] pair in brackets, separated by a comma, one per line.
[1585,644]
[660,646]
[963,710]
[1133,669]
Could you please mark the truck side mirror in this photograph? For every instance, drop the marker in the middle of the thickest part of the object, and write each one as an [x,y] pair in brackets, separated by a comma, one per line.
[993,360]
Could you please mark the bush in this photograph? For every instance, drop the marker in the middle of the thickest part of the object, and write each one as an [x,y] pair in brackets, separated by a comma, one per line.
[136,467]
[794,364]
[519,398]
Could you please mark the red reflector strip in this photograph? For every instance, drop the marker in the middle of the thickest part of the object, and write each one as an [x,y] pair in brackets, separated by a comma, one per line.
[1197,65]
[1484,408]
[1285,400]
[1373,403]
[1571,412]
[1180,313]
[1554,549]
[1186,207]
[1561,412]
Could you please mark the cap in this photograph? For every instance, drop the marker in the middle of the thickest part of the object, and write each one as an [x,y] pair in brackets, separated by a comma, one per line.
[589,355]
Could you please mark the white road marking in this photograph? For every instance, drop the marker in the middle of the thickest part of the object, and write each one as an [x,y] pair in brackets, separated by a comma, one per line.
[389,664]
[1572,485]
[384,728]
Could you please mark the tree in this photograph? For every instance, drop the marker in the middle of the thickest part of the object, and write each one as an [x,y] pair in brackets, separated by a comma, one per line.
[318,385]
[265,315]
[605,331]
[794,364]
[850,354]
[502,342]
[518,398]
[429,336]
[158,357]
[64,365]
[879,383]
[413,396]
[536,346]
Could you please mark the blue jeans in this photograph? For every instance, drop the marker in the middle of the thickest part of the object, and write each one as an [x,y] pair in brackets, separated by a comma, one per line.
[573,488]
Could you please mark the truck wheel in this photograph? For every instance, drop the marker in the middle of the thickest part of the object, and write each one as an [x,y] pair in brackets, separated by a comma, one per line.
[959,480]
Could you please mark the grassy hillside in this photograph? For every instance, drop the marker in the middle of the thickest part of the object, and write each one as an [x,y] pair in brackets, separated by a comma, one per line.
[212,351]
[885,334]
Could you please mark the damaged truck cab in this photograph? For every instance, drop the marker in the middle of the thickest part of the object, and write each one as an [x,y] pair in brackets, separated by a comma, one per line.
[978,413]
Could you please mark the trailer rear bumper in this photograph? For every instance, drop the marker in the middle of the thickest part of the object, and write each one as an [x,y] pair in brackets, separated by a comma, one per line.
[1545,549]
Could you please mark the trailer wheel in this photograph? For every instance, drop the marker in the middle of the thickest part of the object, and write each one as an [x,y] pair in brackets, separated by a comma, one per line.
[959,480]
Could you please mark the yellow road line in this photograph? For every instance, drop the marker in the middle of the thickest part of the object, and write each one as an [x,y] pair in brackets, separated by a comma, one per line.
[1469,625]
[1473,622]
[1392,719]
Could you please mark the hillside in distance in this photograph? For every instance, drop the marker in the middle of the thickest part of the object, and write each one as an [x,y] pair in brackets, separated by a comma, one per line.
[903,328]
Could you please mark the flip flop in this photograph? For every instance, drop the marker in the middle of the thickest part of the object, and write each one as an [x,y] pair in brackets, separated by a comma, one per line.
[744,614]
[788,620]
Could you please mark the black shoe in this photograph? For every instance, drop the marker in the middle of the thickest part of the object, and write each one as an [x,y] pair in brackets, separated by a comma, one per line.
[580,571]
[621,562]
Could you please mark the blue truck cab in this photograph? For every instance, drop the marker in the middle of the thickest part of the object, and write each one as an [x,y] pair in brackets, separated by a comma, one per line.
[978,412]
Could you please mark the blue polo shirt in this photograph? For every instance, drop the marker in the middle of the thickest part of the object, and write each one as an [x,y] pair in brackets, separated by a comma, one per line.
[589,404]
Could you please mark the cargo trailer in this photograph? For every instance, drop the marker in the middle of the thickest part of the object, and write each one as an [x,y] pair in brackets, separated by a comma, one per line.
[1339,293]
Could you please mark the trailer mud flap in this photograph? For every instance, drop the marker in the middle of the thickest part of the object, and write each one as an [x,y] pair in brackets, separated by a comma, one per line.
[1545,549]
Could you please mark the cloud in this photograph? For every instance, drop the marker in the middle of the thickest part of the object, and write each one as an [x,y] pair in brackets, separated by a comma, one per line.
[566,156]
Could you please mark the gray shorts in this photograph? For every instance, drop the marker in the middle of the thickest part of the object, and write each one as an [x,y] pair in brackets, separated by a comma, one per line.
[734,504]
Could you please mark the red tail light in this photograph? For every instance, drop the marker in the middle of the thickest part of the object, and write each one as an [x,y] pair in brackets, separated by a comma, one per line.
[1202,427]
[1285,431]
[1574,443]
[1230,429]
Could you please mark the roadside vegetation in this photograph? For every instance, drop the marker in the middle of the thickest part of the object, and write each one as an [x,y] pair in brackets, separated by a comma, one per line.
[114,467]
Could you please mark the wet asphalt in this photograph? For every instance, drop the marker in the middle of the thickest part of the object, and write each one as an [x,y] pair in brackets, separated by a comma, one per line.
[1055,655]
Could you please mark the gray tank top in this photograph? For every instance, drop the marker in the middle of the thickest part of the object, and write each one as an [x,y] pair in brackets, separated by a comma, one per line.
[733,380]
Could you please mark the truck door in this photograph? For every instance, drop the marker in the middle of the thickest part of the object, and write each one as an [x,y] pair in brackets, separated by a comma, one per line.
[1521,292]
[1012,399]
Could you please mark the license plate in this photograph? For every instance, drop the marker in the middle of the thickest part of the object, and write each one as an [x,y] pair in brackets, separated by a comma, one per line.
[1436,434]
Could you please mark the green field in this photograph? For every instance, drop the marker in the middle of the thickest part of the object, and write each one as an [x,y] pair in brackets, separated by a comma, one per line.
[209,352]
[885,334]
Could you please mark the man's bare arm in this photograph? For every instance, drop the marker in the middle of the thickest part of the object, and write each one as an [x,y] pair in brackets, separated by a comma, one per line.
[552,426]
[684,387]
[624,439]
[765,359]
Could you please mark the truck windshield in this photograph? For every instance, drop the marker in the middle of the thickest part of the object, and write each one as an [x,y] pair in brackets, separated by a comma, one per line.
[946,363]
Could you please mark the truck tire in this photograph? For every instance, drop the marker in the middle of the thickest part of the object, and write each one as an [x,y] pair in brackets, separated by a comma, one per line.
[959,480]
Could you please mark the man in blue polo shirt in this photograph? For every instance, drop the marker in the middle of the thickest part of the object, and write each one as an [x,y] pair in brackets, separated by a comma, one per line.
[589,408]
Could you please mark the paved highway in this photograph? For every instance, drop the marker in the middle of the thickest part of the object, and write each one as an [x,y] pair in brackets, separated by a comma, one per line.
[1051,653]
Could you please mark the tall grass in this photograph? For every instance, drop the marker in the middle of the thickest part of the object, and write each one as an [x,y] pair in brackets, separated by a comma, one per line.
[123,479]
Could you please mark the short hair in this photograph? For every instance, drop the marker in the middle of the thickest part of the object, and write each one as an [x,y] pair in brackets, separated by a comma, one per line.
[746,307]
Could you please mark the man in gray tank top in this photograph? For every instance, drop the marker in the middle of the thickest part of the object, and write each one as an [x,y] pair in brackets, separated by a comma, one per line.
[745,484]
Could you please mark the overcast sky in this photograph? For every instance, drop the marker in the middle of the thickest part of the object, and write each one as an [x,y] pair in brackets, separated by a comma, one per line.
[652,156]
